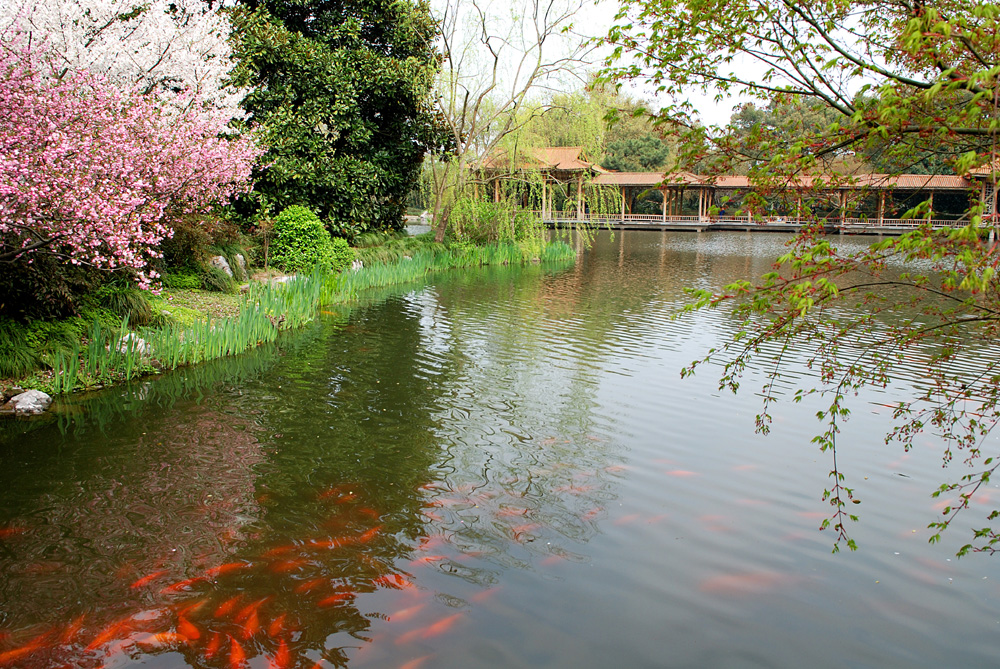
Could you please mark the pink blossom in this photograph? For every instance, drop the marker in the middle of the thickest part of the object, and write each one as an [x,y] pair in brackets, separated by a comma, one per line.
[93,173]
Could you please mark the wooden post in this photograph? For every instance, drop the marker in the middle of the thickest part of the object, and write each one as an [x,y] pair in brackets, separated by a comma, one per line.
[843,206]
[545,195]
[798,208]
[930,206]
[496,190]
[663,194]
[881,206]
[579,197]
[623,204]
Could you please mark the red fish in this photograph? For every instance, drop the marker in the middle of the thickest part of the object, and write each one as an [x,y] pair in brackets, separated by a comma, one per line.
[368,511]
[215,572]
[181,586]
[282,657]
[333,599]
[483,595]
[277,626]
[250,609]
[237,656]
[428,559]
[187,628]
[416,663]
[405,614]
[370,534]
[744,583]
[160,640]
[680,473]
[213,646]
[148,579]
[286,566]
[396,581]
[307,586]
[441,626]
[110,633]
[17,653]
[251,625]
[8,532]
[228,606]
[72,629]
[280,550]
[335,542]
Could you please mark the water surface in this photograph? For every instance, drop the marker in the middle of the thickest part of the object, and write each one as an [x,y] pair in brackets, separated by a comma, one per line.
[501,468]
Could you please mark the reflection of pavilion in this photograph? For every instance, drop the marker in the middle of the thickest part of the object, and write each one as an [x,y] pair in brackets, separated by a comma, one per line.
[683,200]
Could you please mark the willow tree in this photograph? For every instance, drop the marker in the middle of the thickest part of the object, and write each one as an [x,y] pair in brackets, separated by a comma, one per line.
[496,58]
[916,79]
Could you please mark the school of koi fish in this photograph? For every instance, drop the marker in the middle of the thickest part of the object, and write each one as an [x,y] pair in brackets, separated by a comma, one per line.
[280,592]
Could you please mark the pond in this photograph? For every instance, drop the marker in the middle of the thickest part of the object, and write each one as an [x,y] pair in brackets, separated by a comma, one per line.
[500,468]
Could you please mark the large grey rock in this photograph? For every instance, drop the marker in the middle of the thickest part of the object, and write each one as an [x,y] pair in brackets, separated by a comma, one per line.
[133,342]
[241,267]
[220,262]
[27,403]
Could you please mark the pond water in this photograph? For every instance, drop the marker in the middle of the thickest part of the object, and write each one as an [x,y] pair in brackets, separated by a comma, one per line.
[501,468]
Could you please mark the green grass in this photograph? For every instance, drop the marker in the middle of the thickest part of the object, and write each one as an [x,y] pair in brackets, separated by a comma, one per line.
[105,353]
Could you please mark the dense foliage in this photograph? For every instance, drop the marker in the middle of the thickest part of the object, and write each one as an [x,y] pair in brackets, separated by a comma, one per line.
[300,241]
[907,82]
[90,173]
[340,92]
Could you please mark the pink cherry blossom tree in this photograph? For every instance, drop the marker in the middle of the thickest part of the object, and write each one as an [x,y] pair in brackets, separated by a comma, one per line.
[92,174]
[161,46]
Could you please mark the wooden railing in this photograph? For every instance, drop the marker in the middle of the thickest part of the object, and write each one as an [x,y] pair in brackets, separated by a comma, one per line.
[770,221]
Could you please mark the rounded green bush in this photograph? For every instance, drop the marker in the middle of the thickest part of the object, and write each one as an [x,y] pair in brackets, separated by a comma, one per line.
[301,241]
[343,255]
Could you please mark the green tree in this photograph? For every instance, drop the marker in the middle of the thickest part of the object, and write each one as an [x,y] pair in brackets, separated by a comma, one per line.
[920,78]
[341,93]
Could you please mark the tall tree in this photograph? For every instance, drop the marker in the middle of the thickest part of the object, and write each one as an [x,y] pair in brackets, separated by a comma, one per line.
[919,77]
[496,57]
[341,93]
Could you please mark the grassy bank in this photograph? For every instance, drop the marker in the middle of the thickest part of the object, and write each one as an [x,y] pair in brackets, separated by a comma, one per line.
[100,352]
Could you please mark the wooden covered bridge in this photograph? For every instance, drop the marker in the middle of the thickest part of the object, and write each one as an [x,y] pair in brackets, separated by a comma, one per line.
[685,201]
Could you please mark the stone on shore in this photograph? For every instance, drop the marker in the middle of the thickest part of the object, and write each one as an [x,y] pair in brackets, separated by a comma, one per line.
[28,403]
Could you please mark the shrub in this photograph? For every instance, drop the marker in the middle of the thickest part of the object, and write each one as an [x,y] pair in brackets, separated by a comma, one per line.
[301,241]
[17,358]
[125,301]
[342,254]
[213,278]
[182,281]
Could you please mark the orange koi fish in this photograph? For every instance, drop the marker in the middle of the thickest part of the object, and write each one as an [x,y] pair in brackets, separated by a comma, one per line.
[744,583]
[17,653]
[427,559]
[8,532]
[215,572]
[416,663]
[228,606]
[72,629]
[333,599]
[681,473]
[281,550]
[148,579]
[395,581]
[483,595]
[370,534]
[285,566]
[250,609]
[213,646]
[277,626]
[251,625]
[335,542]
[441,626]
[368,511]
[160,640]
[405,614]
[307,586]
[180,586]
[110,633]
[282,657]
[237,656]
[187,628]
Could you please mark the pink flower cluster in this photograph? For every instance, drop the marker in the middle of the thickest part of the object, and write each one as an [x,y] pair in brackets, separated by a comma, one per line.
[93,173]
